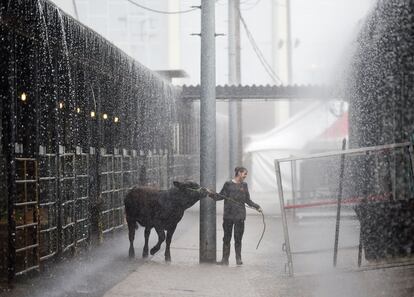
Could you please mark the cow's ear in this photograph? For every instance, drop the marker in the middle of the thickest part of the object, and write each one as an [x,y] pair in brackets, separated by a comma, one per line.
[176,184]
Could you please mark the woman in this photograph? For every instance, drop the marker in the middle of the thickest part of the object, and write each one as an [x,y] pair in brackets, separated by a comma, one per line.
[235,194]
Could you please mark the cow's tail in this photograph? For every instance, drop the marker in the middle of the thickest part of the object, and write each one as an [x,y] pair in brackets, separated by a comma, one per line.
[132,221]
[129,213]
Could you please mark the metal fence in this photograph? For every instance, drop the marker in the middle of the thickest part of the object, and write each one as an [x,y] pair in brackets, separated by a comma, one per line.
[81,123]
[26,213]
[48,205]
[53,207]
[356,215]
[112,192]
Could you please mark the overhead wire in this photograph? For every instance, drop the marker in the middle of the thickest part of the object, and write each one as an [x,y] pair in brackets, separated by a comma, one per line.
[258,52]
[244,3]
[251,5]
[75,7]
[250,37]
[161,11]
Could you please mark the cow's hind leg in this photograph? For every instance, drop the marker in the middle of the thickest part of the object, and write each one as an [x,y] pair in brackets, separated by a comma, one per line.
[170,233]
[161,238]
[146,234]
[131,233]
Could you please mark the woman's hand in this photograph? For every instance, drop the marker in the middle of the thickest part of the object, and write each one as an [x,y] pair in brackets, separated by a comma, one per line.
[212,194]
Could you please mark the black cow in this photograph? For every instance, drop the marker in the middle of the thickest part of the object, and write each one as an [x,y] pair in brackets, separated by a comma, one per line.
[162,210]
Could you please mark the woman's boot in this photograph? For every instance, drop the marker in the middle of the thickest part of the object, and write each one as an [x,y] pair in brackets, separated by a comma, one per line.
[237,248]
[226,254]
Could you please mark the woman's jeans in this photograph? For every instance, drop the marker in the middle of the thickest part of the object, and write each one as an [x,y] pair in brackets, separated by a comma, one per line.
[238,235]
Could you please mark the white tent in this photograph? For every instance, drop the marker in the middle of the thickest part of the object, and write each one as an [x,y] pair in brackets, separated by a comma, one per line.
[289,139]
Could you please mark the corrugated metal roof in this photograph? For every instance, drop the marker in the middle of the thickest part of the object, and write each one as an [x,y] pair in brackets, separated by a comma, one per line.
[268,92]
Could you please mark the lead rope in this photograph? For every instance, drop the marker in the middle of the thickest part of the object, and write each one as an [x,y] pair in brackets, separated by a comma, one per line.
[237,202]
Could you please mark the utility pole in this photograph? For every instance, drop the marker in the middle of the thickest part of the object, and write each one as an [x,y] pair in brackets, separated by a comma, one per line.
[208,131]
[282,39]
[281,52]
[289,42]
[235,107]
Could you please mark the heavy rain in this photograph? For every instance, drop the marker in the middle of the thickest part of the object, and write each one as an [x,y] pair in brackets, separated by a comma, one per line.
[206,148]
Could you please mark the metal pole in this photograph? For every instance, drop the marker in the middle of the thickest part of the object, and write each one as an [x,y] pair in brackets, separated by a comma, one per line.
[289,42]
[208,132]
[338,209]
[411,153]
[360,248]
[234,41]
[9,128]
[364,195]
[284,220]
[293,169]
[235,127]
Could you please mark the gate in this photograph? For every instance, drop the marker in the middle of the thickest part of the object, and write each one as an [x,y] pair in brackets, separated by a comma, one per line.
[130,170]
[48,205]
[74,199]
[82,202]
[112,192]
[26,217]
[157,169]
[366,210]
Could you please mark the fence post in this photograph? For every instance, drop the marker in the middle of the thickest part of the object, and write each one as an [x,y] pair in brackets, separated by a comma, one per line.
[9,128]
[411,153]
[338,209]
[284,220]
[293,169]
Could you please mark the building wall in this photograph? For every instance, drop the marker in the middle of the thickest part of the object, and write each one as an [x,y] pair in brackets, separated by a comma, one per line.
[141,34]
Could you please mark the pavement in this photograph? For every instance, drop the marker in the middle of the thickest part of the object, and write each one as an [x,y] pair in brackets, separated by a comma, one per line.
[184,276]
[107,271]
[263,272]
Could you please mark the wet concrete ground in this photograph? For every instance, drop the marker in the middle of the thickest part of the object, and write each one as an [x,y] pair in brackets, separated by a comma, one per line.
[108,272]
[89,274]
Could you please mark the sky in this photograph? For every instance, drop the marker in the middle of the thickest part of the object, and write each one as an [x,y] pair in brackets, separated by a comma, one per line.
[322,30]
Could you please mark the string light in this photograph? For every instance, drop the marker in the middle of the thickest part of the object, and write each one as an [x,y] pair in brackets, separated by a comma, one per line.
[23,96]
[105,116]
[92,114]
[78,109]
[116,119]
[60,105]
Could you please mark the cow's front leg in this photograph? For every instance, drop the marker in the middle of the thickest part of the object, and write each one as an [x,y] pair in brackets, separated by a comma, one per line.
[170,233]
[131,235]
[161,238]
[146,234]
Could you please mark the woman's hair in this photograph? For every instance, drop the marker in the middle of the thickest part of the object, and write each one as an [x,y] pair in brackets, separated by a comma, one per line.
[239,169]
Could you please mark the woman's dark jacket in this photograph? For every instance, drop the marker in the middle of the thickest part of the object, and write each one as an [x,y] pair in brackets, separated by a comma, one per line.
[238,193]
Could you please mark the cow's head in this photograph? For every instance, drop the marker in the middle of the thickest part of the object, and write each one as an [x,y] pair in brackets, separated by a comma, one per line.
[189,193]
